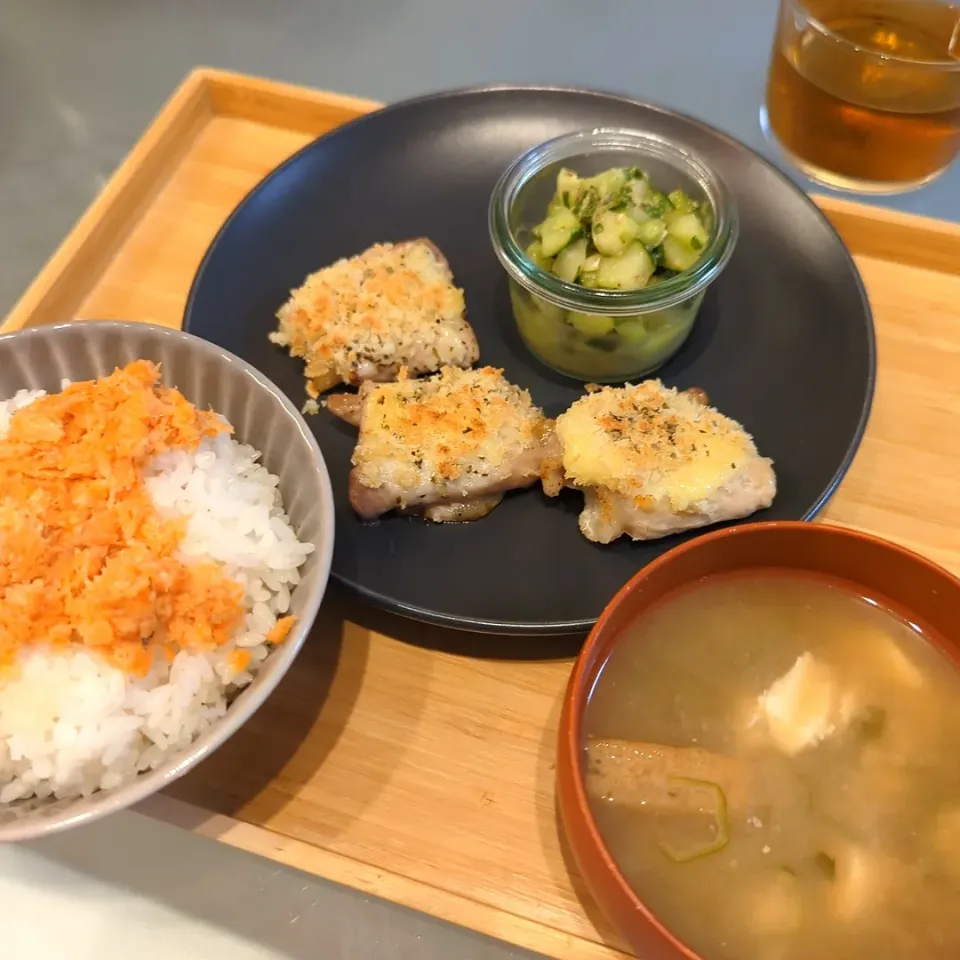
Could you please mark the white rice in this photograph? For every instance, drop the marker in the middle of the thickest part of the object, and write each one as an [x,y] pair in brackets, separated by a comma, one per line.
[71,723]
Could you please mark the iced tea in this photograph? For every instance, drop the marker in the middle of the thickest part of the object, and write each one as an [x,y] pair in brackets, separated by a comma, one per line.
[865,94]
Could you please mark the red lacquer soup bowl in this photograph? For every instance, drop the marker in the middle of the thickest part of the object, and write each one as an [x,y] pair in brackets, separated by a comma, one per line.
[904,582]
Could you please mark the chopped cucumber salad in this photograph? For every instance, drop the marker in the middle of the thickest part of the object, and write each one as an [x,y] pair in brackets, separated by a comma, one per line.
[615,231]
[601,348]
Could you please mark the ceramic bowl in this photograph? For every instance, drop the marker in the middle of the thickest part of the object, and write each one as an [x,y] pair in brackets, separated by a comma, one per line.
[905,582]
[210,377]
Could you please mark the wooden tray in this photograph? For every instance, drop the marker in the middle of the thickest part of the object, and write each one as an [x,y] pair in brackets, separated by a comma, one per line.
[407,770]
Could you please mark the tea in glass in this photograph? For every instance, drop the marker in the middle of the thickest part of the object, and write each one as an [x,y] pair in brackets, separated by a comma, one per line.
[865,94]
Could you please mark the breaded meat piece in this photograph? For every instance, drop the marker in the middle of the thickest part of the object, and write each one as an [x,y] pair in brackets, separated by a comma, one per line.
[363,318]
[652,461]
[447,446]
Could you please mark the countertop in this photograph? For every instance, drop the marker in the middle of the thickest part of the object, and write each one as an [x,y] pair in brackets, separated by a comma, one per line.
[131,887]
[79,81]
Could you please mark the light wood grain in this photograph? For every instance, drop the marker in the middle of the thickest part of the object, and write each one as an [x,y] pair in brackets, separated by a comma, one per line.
[390,760]
[892,235]
[149,277]
[281,104]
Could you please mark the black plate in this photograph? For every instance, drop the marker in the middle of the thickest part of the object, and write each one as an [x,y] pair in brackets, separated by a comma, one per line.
[784,342]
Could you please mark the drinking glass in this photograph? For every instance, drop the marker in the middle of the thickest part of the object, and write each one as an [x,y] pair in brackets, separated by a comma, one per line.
[864,95]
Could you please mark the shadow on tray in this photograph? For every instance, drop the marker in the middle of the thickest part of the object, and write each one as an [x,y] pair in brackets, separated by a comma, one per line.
[463,643]
[286,740]
[285,746]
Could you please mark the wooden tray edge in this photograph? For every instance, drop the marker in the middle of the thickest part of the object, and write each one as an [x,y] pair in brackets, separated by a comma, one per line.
[903,238]
[281,104]
[101,231]
[53,295]
[104,225]
[73,269]
[347,871]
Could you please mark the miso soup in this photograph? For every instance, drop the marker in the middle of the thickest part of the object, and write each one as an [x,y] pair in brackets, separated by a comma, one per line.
[774,763]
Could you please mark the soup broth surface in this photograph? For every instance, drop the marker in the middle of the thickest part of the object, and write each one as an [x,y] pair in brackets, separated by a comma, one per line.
[813,808]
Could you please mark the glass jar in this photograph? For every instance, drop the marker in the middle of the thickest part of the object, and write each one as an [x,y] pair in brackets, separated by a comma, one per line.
[606,336]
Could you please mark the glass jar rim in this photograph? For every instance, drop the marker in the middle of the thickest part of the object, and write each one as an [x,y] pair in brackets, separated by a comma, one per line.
[570,296]
[948,64]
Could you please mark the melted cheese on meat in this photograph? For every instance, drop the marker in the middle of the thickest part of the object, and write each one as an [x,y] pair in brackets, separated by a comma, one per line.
[390,305]
[650,441]
[457,426]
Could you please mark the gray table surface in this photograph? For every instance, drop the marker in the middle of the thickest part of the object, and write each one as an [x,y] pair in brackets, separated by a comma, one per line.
[81,79]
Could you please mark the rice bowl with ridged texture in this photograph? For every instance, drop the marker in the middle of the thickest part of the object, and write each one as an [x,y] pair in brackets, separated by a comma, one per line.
[147,574]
